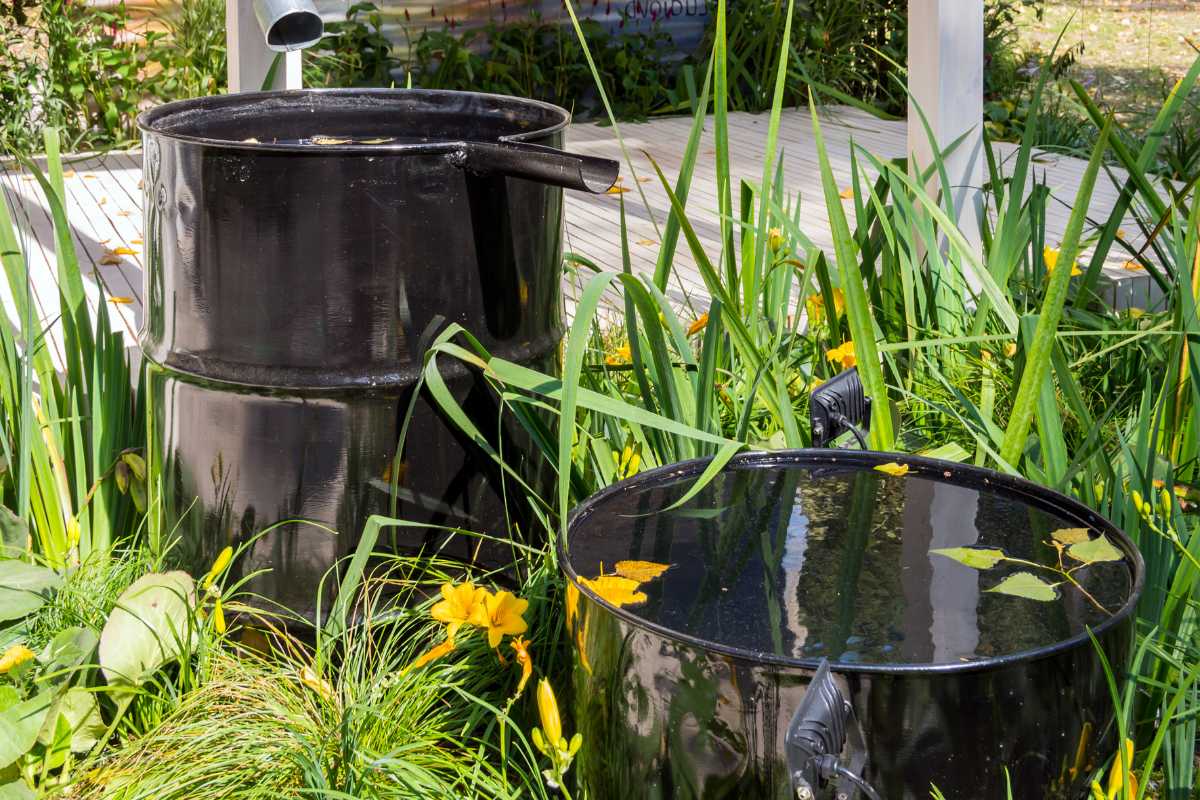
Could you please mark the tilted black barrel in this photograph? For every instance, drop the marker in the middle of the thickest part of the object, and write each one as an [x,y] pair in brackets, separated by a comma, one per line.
[302,248]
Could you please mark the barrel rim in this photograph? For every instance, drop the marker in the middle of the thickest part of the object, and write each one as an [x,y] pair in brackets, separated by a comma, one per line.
[868,459]
[150,121]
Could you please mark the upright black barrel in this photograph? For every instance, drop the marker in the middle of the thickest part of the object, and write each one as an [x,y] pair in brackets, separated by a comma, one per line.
[302,248]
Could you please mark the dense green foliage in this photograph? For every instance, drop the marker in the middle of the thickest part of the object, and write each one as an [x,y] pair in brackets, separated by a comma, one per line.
[78,68]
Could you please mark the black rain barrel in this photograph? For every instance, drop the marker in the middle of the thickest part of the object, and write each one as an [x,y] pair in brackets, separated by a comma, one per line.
[302,247]
[803,627]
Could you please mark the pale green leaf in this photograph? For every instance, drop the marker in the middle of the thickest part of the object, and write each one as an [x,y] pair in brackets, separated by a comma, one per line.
[24,588]
[148,628]
[1027,585]
[1095,550]
[973,557]
[19,726]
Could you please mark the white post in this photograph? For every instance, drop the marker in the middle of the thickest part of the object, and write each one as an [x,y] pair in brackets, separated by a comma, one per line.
[945,78]
[249,58]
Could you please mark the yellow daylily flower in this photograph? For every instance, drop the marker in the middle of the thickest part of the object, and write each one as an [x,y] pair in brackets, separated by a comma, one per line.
[459,604]
[572,603]
[698,325]
[310,678]
[500,614]
[218,566]
[892,468]
[1116,776]
[843,354]
[1050,256]
[1010,349]
[521,648]
[622,355]
[775,238]
[816,306]
[14,657]
[629,461]
[432,654]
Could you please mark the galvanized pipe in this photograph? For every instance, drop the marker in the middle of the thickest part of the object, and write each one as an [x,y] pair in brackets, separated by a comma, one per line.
[289,24]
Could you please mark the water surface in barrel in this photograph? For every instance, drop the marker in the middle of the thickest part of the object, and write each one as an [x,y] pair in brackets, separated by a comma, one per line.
[851,564]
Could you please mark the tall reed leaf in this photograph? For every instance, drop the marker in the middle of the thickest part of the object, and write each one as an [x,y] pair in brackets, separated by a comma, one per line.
[1037,362]
[858,311]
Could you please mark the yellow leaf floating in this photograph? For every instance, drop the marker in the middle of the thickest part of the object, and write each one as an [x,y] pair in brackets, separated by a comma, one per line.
[616,590]
[381,140]
[892,468]
[640,571]
[1070,535]
[329,140]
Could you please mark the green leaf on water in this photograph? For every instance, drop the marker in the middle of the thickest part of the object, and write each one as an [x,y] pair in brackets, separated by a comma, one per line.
[973,557]
[1027,585]
[1069,536]
[1095,550]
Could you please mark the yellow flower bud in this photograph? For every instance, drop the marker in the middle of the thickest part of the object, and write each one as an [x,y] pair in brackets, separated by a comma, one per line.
[1165,499]
[548,711]
[775,238]
[223,559]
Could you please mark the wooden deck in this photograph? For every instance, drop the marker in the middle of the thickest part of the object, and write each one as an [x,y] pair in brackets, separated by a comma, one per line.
[104,205]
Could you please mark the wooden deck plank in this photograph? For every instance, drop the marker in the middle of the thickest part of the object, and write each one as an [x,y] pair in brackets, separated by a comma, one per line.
[105,208]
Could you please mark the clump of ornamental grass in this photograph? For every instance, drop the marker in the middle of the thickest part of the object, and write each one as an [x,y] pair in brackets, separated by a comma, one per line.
[361,714]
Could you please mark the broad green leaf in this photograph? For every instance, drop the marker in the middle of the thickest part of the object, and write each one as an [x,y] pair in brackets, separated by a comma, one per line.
[1095,550]
[68,649]
[148,628]
[16,790]
[1027,585]
[24,588]
[973,557]
[19,726]
[1070,535]
[83,724]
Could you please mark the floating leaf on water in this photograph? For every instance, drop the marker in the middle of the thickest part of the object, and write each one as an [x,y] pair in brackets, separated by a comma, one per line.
[640,571]
[251,140]
[1070,535]
[892,468]
[973,557]
[328,140]
[1027,585]
[1095,551]
[381,140]
[616,590]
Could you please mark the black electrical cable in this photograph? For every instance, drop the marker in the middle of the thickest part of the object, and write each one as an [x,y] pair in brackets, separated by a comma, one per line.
[862,785]
[858,435]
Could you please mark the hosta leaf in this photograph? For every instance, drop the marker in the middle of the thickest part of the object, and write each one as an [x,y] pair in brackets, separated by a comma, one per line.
[148,628]
[24,588]
[1027,585]
[69,648]
[1070,535]
[974,557]
[15,789]
[640,571]
[1095,550]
